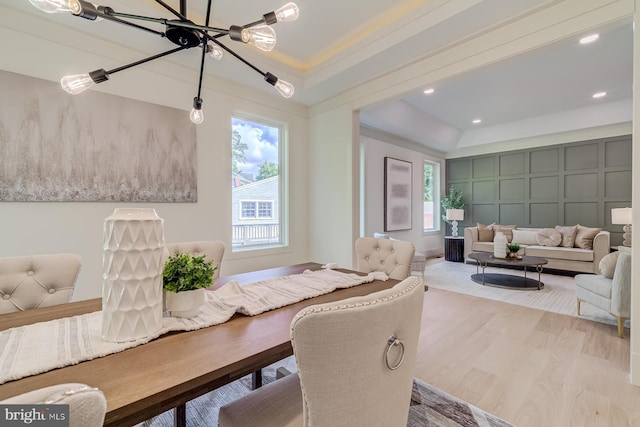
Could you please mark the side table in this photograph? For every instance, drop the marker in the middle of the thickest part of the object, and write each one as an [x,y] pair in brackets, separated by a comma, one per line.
[454,248]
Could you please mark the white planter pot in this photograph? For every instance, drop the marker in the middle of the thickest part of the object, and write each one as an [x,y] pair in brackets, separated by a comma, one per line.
[133,259]
[184,304]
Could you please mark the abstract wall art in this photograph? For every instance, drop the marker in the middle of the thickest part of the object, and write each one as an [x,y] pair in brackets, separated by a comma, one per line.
[397,194]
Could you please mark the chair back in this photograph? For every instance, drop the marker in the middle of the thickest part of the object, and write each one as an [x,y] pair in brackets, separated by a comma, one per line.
[356,357]
[393,257]
[214,251]
[87,405]
[34,281]
[621,286]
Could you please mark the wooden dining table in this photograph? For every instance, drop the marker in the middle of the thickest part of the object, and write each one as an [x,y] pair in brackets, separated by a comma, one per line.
[165,373]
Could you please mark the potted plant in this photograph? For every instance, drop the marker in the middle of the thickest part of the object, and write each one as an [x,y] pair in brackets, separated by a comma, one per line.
[184,278]
[513,249]
[453,200]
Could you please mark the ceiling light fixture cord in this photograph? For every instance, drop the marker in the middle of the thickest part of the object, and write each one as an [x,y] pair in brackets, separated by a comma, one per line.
[181,32]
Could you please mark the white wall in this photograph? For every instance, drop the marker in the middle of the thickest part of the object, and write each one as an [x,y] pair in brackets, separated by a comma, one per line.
[38,48]
[376,148]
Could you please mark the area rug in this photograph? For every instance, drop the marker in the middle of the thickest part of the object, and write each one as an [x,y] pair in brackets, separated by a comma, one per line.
[557,296]
[430,407]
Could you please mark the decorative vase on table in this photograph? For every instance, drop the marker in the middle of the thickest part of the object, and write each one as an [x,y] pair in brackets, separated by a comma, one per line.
[500,245]
[133,259]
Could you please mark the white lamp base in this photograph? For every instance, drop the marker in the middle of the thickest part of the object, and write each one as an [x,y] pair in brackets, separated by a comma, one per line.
[627,235]
[454,228]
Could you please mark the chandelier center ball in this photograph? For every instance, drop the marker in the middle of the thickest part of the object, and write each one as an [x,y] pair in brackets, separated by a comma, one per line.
[184,37]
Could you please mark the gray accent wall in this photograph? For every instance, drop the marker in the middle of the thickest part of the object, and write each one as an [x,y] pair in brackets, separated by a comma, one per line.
[568,184]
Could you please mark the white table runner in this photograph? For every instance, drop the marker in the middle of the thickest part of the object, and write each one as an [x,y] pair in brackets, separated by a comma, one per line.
[40,347]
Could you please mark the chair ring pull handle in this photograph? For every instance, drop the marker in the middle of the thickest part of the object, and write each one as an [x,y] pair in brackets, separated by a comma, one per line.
[394,342]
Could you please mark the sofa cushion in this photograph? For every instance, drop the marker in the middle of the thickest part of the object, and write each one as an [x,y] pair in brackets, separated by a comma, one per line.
[524,237]
[607,264]
[482,246]
[568,235]
[485,232]
[506,229]
[584,237]
[559,252]
[548,237]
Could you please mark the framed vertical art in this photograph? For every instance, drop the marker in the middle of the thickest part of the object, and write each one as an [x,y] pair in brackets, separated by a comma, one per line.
[397,194]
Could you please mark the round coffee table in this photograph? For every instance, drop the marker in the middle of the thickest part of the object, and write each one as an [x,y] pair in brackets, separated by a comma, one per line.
[510,281]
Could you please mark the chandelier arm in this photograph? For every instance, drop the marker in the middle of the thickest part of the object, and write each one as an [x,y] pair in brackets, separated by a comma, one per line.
[108,15]
[170,9]
[240,58]
[150,58]
[204,49]
[165,21]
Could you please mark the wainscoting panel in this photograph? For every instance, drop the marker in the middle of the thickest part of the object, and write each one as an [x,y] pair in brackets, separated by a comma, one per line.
[567,184]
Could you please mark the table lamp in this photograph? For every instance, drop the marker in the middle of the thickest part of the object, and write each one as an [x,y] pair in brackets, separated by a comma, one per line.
[623,216]
[454,215]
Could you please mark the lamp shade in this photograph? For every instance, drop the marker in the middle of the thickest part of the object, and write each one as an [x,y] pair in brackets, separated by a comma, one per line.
[621,216]
[455,214]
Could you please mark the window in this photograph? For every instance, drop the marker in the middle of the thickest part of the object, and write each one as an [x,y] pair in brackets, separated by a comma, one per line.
[256,209]
[431,220]
[256,148]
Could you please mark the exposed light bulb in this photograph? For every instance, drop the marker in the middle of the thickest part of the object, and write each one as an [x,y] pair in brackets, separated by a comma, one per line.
[263,37]
[58,6]
[76,83]
[215,52]
[284,88]
[196,115]
[288,12]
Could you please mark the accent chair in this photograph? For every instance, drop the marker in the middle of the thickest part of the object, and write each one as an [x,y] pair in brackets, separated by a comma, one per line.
[356,360]
[610,294]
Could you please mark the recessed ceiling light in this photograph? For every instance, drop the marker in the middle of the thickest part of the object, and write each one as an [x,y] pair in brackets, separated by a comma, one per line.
[589,39]
[599,94]
[476,121]
[429,91]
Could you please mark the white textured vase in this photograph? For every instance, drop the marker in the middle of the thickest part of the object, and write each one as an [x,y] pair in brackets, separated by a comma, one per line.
[500,245]
[186,303]
[132,260]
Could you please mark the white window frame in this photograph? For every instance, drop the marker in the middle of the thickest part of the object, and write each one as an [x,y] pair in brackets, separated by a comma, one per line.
[256,209]
[436,196]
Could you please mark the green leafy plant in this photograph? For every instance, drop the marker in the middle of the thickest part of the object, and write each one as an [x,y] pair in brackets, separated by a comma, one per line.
[513,247]
[453,200]
[185,272]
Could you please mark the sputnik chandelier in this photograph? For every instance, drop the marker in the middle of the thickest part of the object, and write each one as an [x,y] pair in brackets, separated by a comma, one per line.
[182,32]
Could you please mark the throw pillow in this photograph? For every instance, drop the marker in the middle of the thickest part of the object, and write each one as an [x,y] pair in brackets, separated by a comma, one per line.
[584,237]
[608,264]
[568,235]
[524,237]
[506,229]
[485,232]
[549,237]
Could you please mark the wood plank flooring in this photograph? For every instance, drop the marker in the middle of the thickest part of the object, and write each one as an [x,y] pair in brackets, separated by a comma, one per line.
[530,367]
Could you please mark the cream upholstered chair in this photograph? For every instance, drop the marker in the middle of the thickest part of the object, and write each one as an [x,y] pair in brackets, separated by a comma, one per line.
[356,359]
[393,257]
[214,251]
[612,295]
[34,281]
[419,259]
[87,405]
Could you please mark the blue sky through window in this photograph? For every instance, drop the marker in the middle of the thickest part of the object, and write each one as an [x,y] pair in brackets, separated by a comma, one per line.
[262,141]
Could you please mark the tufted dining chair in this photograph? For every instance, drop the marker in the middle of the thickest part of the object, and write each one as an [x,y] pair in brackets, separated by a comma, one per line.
[213,249]
[393,257]
[419,259]
[34,281]
[356,360]
[87,405]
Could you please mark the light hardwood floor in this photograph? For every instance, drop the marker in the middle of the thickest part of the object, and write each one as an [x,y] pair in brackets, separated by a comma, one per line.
[530,367]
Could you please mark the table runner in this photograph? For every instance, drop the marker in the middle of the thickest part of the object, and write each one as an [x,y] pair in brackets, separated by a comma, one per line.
[40,347]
